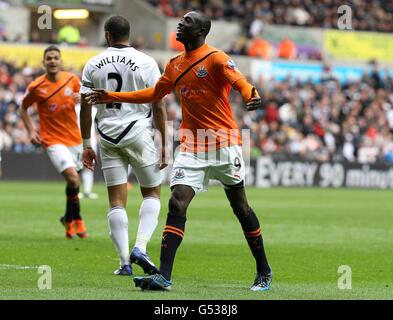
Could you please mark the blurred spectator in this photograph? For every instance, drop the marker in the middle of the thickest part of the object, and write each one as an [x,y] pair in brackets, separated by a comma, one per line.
[260,48]
[313,121]
[35,37]
[174,44]
[286,49]
[256,26]
[376,15]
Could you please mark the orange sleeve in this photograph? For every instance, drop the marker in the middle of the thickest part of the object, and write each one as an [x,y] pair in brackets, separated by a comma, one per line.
[226,68]
[245,89]
[29,97]
[77,84]
[162,88]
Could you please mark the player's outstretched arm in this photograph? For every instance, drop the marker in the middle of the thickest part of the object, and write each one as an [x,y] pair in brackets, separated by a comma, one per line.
[162,88]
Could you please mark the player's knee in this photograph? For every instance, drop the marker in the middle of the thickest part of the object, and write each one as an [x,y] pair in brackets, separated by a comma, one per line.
[177,206]
[72,180]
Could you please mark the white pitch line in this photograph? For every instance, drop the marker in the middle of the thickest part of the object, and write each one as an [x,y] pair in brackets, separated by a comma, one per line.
[16,267]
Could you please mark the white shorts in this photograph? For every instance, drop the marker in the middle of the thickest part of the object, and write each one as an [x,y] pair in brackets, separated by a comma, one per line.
[196,169]
[63,157]
[140,153]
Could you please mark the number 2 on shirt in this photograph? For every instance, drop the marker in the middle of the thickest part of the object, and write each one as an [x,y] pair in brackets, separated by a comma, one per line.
[119,81]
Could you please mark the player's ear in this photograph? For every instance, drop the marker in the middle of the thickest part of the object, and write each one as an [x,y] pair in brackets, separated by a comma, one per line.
[108,37]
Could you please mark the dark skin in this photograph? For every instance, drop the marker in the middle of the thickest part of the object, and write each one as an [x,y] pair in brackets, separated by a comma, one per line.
[192,31]
[117,194]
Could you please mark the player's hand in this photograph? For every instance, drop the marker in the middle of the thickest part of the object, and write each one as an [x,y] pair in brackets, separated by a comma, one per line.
[35,139]
[89,158]
[77,97]
[97,96]
[255,102]
[164,157]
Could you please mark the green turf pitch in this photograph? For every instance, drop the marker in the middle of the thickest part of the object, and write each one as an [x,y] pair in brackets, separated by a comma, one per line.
[308,234]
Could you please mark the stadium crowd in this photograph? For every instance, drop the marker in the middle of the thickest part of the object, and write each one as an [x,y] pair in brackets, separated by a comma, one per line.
[375,15]
[324,121]
[254,16]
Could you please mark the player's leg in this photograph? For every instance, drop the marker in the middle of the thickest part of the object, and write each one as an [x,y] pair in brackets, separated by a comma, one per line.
[115,175]
[64,161]
[231,172]
[118,225]
[174,227]
[149,178]
[87,177]
[142,155]
[251,228]
[171,239]
[186,180]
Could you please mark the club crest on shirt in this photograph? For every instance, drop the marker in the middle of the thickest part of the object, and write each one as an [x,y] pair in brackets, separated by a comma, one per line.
[202,72]
[67,92]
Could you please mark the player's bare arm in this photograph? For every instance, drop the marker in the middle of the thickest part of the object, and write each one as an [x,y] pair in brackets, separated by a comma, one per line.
[89,157]
[34,136]
[159,118]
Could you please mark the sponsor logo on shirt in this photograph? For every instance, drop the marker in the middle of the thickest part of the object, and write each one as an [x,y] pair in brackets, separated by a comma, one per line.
[202,72]
[187,92]
[52,107]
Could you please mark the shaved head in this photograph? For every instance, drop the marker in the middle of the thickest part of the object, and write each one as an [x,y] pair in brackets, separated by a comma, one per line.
[201,20]
[193,29]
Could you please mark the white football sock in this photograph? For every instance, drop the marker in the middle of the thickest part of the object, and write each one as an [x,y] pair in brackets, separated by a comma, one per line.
[87,180]
[118,226]
[148,220]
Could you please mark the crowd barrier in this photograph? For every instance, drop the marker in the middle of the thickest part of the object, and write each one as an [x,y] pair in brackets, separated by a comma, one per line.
[263,172]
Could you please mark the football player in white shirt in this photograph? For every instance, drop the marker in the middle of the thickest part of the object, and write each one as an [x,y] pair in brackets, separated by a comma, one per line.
[126,137]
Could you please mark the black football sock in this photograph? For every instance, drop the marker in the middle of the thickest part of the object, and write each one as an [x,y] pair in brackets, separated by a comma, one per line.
[252,232]
[72,206]
[171,238]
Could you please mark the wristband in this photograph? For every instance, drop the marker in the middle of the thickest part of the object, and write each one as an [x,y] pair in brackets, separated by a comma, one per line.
[86,143]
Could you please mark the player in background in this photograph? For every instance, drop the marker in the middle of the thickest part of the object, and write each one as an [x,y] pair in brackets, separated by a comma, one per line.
[126,137]
[55,94]
[202,77]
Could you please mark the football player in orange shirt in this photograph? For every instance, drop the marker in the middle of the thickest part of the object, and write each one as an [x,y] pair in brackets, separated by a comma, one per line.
[202,76]
[55,94]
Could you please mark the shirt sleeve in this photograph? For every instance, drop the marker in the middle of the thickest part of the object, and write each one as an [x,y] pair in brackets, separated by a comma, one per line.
[226,68]
[87,83]
[148,95]
[29,97]
[77,84]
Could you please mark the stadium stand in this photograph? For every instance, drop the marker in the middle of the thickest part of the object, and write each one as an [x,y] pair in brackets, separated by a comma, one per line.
[369,15]
[302,120]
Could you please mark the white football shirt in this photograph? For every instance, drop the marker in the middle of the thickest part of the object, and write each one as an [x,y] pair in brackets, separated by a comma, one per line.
[121,69]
